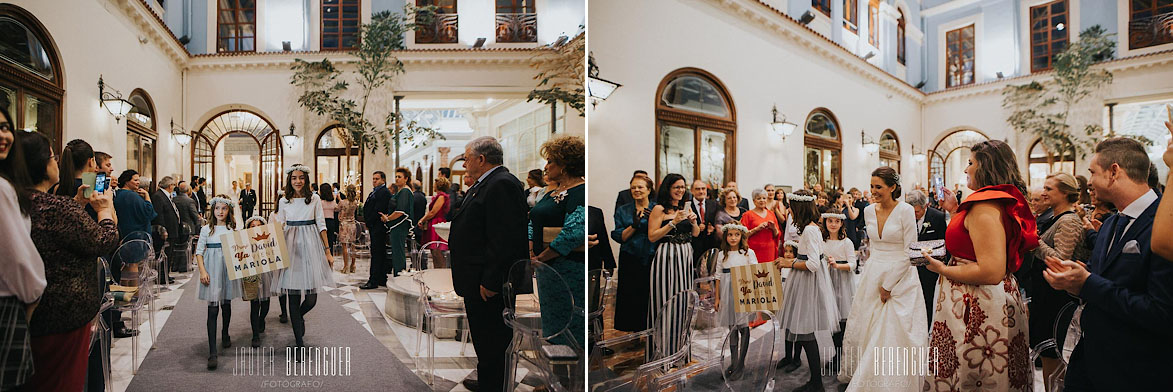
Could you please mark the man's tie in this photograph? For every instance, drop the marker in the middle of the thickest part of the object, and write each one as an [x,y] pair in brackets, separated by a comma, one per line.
[1118,230]
[702,217]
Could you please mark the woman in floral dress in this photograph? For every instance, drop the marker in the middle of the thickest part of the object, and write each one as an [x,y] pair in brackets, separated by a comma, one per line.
[979,339]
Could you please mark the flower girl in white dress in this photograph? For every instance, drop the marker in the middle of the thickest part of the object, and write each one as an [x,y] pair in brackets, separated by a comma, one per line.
[734,252]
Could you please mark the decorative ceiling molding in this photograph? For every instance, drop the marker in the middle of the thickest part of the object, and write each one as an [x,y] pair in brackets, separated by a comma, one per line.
[778,22]
[285,60]
[946,7]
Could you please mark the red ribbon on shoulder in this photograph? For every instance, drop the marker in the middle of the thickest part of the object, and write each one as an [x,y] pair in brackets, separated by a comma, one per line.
[1021,228]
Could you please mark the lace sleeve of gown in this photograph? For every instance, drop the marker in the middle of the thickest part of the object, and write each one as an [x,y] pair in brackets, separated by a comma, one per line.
[1068,234]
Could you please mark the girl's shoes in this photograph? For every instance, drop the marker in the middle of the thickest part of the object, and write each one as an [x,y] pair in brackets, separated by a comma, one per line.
[784,363]
[212,362]
[226,341]
[283,319]
[256,341]
[734,371]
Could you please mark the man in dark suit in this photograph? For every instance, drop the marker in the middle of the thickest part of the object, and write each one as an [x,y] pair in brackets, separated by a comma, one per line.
[201,197]
[378,202]
[420,205]
[706,213]
[624,196]
[488,235]
[190,220]
[599,256]
[1126,289]
[167,216]
[930,225]
[248,200]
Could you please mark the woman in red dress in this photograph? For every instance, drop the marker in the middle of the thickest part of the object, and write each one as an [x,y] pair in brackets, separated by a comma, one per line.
[979,336]
[764,230]
[436,212]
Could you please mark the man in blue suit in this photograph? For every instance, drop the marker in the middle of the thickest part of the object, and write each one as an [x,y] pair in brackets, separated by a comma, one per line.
[1126,289]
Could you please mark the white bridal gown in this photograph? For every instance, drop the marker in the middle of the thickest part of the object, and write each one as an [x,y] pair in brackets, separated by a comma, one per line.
[899,323]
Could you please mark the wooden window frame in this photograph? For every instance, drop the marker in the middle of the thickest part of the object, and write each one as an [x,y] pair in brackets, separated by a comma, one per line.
[1134,39]
[446,18]
[148,133]
[823,6]
[29,83]
[900,46]
[851,15]
[340,20]
[667,115]
[237,26]
[1050,29]
[889,155]
[874,23]
[823,143]
[951,57]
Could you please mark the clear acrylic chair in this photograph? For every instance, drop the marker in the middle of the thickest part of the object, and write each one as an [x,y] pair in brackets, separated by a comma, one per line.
[533,343]
[757,371]
[1066,334]
[598,281]
[707,326]
[137,252]
[100,331]
[362,240]
[422,258]
[438,301]
[667,349]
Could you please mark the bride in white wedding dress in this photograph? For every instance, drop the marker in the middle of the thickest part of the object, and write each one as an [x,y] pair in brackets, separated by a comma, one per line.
[889,308]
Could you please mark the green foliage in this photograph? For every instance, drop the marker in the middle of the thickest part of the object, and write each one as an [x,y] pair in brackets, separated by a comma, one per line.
[561,72]
[324,90]
[1044,108]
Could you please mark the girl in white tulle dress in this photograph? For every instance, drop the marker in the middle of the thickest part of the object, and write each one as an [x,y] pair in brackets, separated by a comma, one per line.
[840,252]
[808,303]
[734,252]
[215,286]
[310,261]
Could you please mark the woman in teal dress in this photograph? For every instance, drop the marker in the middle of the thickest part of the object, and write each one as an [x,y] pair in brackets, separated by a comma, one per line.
[565,208]
[400,221]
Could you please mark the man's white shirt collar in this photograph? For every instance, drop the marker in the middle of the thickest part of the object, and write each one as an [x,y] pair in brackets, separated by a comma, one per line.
[1139,205]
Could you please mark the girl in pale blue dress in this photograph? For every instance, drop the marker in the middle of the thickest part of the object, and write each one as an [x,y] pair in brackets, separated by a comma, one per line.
[258,306]
[310,261]
[215,287]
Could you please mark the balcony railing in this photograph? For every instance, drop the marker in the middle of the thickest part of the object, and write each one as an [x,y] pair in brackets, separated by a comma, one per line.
[517,27]
[442,30]
[1150,31]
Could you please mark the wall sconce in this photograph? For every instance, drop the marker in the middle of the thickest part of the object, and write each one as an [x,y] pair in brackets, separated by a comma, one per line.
[113,101]
[598,87]
[782,128]
[869,144]
[179,135]
[290,139]
[917,156]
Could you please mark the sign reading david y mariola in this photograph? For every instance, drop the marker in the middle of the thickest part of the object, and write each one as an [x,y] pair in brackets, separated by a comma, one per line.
[756,287]
[260,249]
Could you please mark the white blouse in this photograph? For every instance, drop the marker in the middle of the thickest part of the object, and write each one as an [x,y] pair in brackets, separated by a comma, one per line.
[22,272]
[810,243]
[297,210]
[207,236]
[841,250]
[737,259]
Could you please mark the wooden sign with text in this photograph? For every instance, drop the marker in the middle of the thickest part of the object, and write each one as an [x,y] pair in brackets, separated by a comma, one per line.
[756,287]
[261,249]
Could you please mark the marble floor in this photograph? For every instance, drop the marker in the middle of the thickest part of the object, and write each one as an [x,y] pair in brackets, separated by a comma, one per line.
[367,307]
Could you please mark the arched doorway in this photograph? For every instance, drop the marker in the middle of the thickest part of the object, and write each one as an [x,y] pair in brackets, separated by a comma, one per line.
[331,163]
[1042,162]
[951,155]
[31,79]
[696,126]
[254,146]
[141,136]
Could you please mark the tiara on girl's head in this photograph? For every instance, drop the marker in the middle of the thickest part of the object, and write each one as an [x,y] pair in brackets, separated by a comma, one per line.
[255,218]
[834,215]
[797,197]
[298,167]
[734,226]
[791,243]
[218,199]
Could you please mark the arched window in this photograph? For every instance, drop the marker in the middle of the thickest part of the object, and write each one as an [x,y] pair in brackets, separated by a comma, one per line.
[331,162]
[951,155]
[141,135]
[823,155]
[890,150]
[695,125]
[240,145]
[1149,23]
[900,37]
[31,79]
[1042,162]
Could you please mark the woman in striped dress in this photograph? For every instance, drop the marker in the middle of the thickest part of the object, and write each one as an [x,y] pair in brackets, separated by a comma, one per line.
[671,226]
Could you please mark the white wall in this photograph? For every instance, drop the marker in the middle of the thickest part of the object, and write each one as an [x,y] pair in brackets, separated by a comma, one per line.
[758,67]
[125,64]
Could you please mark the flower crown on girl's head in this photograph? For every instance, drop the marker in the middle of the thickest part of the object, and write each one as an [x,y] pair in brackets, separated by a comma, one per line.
[255,218]
[834,215]
[791,243]
[298,167]
[218,199]
[797,197]
[733,226]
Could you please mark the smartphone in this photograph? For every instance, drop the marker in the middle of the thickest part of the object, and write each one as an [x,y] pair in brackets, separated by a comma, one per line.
[90,179]
[101,182]
[939,187]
